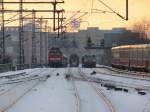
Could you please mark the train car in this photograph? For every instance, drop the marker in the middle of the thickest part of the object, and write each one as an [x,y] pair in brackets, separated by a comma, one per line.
[132,57]
[89,61]
[74,60]
[56,57]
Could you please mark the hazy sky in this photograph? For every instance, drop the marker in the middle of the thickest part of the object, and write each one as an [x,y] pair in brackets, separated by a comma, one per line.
[138,9]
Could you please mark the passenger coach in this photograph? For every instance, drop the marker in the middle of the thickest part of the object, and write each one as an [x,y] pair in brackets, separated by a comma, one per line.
[132,57]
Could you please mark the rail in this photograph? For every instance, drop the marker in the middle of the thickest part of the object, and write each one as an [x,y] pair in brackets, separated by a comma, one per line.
[76,92]
[99,92]
[117,74]
[14,102]
[117,83]
[21,77]
[136,75]
[102,95]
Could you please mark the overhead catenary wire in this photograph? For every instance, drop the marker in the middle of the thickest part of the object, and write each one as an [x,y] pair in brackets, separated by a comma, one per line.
[102,11]
[77,19]
[11,17]
[9,21]
[114,10]
[76,12]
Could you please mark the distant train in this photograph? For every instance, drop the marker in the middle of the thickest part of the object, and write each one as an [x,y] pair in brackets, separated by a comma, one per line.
[74,60]
[56,58]
[132,57]
[89,61]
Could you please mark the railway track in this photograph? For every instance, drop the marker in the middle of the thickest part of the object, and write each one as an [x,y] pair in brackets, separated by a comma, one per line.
[28,77]
[126,74]
[76,91]
[122,76]
[16,100]
[102,95]
[98,91]
[117,83]
[34,77]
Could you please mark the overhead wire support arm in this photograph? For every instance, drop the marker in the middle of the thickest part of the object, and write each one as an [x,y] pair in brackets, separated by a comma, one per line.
[11,11]
[32,2]
[43,18]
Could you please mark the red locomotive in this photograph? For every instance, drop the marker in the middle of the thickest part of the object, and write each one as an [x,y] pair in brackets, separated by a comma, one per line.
[132,57]
[56,58]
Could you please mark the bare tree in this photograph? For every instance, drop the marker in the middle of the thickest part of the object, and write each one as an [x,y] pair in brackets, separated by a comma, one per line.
[143,28]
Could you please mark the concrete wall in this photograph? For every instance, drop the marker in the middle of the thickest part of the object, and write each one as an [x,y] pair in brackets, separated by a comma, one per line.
[12,45]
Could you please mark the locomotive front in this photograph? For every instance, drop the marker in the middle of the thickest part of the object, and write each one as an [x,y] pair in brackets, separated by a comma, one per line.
[55,57]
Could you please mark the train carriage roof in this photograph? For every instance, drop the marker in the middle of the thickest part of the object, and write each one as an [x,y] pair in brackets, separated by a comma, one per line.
[132,46]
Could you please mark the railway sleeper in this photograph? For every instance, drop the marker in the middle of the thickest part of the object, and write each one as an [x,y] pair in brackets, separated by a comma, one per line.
[141,92]
[112,87]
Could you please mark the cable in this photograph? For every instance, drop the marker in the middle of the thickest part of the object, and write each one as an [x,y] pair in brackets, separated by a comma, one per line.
[11,17]
[16,19]
[73,15]
[112,10]
[78,17]
[101,11]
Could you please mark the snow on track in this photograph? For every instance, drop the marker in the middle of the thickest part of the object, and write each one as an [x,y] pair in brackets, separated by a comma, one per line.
[107,100]
[101,95]
[57,94]
[10,97]
[15,88]
[128,102]
[90,101]
[54,95]
[75,90]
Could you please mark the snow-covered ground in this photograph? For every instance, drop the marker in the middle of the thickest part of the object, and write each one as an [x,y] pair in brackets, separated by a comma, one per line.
[57,94]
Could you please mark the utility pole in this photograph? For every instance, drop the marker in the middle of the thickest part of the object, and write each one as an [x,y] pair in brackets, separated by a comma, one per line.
[3,32]
[127,7]
[33,58]
[61,22]
[54,14]
[58,24]
[21,49]
[41,22]
[46,41]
